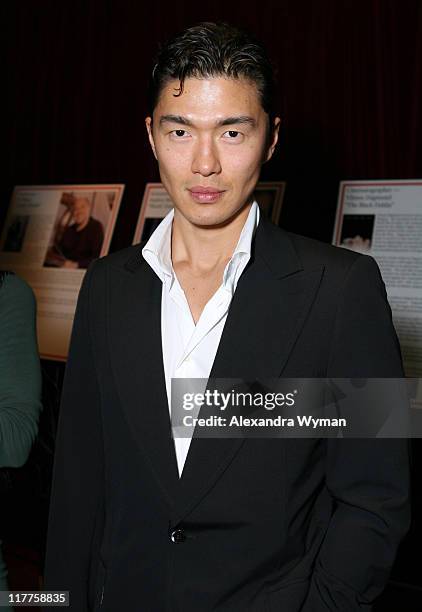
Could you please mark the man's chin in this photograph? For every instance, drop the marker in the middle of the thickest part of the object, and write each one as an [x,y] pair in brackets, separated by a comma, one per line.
[210,215]
[210,221]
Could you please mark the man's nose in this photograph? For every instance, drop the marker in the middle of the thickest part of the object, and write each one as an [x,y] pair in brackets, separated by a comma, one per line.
[205,158]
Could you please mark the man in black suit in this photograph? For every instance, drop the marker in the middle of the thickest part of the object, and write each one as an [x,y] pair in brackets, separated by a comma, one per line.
[141,521]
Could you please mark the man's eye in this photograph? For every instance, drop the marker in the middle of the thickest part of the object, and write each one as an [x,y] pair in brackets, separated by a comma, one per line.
[232,134]
[179,133]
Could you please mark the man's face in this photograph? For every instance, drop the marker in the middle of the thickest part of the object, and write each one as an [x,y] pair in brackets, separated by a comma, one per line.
[80,210]
[210,143]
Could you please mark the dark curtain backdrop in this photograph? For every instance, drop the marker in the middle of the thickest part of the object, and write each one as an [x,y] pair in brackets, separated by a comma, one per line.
[350,98]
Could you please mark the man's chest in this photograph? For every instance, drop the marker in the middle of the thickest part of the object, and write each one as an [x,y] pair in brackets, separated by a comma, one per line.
[199,289]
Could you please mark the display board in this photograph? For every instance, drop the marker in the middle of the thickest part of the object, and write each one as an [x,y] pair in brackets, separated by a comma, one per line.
[51,235]
[384,219]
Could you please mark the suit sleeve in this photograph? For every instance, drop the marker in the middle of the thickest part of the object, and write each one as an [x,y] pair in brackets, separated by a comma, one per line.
[78,473]
[368,479]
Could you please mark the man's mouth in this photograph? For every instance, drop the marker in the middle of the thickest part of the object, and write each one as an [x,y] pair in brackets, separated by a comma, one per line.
[205,195]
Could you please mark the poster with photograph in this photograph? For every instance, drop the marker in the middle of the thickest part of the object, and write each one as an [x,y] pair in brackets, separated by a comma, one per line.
[384,219]
[50,236]
[156,204]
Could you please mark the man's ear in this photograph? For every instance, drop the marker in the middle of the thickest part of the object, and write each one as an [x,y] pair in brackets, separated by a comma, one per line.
[148,124]
[275,128]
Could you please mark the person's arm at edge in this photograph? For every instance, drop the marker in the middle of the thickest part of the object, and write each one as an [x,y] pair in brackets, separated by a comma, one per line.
[20,380]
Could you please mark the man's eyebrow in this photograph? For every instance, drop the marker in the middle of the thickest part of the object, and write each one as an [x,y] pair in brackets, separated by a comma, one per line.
[235,120]
[174,119]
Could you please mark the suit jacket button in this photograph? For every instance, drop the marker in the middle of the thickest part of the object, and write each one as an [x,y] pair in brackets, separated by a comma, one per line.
[177,536]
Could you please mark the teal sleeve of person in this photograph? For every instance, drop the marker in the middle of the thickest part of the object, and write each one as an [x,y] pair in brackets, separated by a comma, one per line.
[20,373]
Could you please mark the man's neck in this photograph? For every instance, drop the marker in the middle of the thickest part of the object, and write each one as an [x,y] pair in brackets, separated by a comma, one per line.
[205,248]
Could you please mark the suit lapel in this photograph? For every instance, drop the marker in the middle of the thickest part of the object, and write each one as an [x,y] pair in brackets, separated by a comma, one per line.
[137,362]
[269,307]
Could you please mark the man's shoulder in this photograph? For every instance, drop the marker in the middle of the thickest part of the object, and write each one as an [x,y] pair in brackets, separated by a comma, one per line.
[124,259]
[338,263]
[121,263]
[288,252]
[279,245]
[313,252]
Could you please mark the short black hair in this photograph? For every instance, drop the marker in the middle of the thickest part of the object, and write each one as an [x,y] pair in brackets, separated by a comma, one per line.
[211,50]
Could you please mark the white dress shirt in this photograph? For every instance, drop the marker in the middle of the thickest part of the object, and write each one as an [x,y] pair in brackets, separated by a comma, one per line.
[188,349]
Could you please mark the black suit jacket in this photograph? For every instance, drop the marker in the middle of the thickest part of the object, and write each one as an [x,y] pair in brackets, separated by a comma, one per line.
[268,525]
